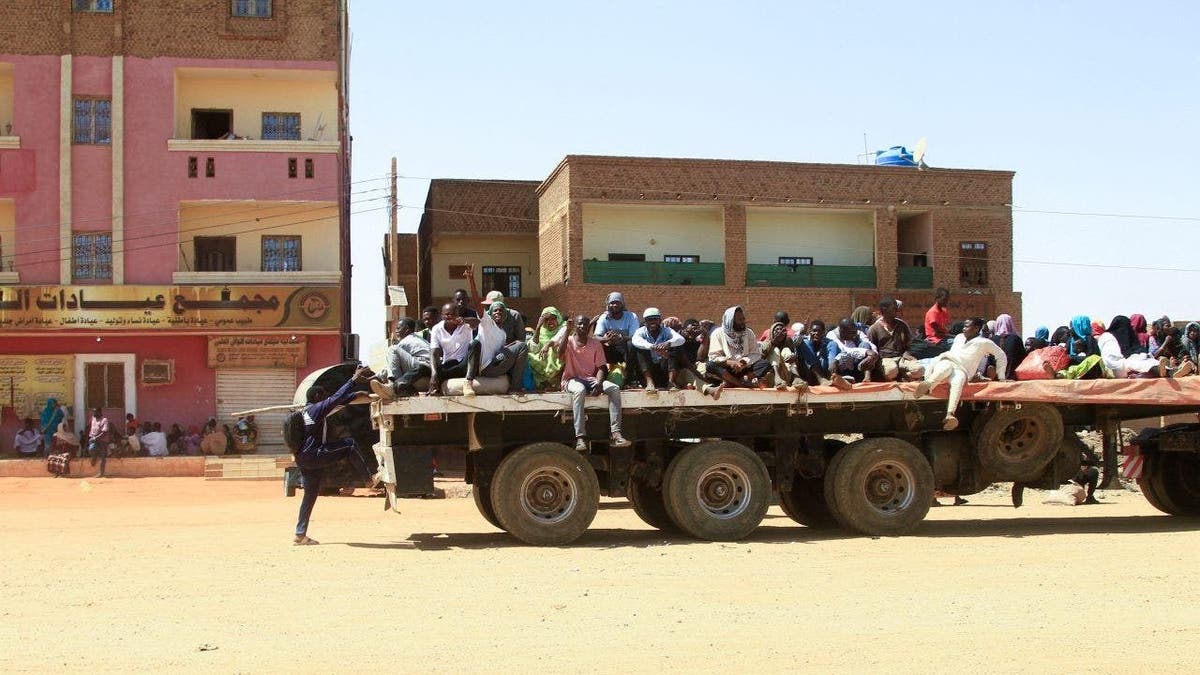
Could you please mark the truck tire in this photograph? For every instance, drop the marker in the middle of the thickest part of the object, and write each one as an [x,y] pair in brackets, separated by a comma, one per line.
[1171,482]
[805,502]
[1016,444]
[545,494]
[482,492]
[880,486]
[648,504]
[1150,483]
[717,490]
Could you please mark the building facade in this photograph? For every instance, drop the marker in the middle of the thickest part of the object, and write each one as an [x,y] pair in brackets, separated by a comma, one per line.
[693,237]
[174,205]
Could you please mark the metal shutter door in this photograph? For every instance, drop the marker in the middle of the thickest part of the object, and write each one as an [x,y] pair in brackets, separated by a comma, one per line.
[249,388]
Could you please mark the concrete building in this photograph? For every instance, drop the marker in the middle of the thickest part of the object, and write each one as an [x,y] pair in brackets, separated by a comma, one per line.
[695,236]
[174,203]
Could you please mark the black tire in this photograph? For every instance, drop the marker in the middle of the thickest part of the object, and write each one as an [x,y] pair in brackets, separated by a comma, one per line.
[717,490]
[482,493]
[1150,485]
[828,488]
[545,494]
[649,505]
[805,502]
[1178,482]
[1016,444]
[881,486]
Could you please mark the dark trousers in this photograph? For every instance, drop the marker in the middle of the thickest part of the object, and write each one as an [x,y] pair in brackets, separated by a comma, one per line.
[312,464]
[98,450]
[715,372]
[658,372]
[511,360]
[624,355]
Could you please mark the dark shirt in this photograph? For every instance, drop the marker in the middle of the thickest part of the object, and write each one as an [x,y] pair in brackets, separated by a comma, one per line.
[315,414]
[1014,349]
[891,344]
[814,356]
[690,349]
[513,327]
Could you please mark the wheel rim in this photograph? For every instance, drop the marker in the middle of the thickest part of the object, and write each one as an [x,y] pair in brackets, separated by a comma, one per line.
[548,495]
[889,487]
[1020,439]
[724,491]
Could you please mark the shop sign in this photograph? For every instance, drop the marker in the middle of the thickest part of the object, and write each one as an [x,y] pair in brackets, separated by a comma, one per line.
[258,351]
[27,381]
[199,308]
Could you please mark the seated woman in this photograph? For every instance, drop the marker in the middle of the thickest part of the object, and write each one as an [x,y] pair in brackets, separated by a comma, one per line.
[1006,338]
[1191,345]
[1166,346]
[1061,336]
[544,358]
[1083,351]
[1138,322]
[1118,350]
[1040,339]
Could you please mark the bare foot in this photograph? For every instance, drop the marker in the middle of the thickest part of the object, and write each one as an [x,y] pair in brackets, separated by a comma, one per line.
[921,390]
[840,382]
[715,391]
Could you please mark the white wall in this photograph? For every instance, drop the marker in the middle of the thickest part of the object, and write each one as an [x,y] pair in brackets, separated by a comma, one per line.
[914,235]
[249,94]
[829,237]
[654,230]
[315,222]
[482,251]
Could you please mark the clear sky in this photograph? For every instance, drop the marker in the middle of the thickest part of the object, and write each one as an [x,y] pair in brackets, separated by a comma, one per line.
[1093,105]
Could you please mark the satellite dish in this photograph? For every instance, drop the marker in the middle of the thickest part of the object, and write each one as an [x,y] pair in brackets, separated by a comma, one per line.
[919,154]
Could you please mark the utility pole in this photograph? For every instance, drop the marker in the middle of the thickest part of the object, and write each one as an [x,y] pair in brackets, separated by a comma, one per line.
[393,272]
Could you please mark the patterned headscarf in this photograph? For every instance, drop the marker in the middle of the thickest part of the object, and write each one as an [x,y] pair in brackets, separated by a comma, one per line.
[735,339]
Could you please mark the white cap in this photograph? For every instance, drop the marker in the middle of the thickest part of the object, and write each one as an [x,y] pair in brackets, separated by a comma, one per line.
[651,311]
[493,296]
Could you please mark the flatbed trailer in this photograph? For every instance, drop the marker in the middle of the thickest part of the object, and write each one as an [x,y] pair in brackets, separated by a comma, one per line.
[710,468]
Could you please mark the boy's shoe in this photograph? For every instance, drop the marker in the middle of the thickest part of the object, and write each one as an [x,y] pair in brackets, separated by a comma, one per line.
[383,390]
[619,441]
[468,389]
[581,444]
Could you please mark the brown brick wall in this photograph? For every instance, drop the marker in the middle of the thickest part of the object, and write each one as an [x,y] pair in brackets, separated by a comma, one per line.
[299,30]
[460,206]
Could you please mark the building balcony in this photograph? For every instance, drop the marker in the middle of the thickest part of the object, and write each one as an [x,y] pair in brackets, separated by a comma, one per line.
[247,145]
[10,142]
[914,277]
[248,278]
[810,276]
[653,273]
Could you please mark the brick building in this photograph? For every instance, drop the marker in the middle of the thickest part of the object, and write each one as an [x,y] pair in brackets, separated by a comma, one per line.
[174,204]
[695,236]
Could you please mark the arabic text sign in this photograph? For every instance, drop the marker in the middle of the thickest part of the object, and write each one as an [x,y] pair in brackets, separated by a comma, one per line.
[27,381]
[201,308]
[257,351]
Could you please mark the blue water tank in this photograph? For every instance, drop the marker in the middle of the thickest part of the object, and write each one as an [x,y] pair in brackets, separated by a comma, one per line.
[897,155]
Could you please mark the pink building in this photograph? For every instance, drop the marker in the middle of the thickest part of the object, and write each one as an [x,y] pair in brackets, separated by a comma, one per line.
[174,206]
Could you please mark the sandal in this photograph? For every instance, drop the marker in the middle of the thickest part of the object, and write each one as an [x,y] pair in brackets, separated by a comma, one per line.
[304,540]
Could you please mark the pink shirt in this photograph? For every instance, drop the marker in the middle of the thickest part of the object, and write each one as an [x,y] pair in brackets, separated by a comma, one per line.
[581,361]
[99,428]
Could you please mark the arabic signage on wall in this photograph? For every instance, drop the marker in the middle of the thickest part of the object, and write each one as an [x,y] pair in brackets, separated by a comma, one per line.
[258,351]
[27,381]
[200,308]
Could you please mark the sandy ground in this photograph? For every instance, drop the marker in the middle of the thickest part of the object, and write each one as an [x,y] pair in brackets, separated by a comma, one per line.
[181,574]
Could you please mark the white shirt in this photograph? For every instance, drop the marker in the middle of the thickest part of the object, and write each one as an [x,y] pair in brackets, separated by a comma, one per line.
[26,441]
[969,354]
[155,443]
[453,345]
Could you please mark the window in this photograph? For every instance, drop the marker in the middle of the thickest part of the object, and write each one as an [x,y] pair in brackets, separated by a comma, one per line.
[794,261]
[92,6]
[309,170]
[972,263]
[281,253]
[507,280]
[627,257]
[158,372]
[215,254]
[259,9]
[211,123]
[280,126]
[193,167]
[681,258]
[93,121]
[92,256]
[291,167]
[105,385]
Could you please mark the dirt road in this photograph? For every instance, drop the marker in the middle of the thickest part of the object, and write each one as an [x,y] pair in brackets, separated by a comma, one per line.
[184,574]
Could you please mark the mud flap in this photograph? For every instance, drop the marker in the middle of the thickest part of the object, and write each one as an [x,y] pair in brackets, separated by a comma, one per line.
[387,474]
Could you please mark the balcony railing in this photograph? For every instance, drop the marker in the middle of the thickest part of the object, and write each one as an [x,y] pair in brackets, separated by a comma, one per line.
[653,273]
[914,277]
[811,276]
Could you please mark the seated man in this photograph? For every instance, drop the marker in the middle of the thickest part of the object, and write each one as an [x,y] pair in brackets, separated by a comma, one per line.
[810,360]
[585,372]
[959,365]
[614,328]
[734,355]
[692,355]
[498,350]
[430,317]
[657,351]
[27,440]
[408,361]
[851,354]
[452,339]
[154,441]
[777,350]
[891,337]
[783,318]
[1081,488]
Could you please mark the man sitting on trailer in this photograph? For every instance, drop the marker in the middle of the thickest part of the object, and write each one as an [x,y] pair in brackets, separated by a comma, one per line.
[614,328]
[734,355]
[892,336]
[430,317]
[408,361]
[448,349]
[810,360]
[959,365]
[657,351]
[497,350]
[585,372]
[851,354]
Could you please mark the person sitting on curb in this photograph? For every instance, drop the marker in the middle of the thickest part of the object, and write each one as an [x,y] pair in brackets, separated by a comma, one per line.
[585,372]
[959,365]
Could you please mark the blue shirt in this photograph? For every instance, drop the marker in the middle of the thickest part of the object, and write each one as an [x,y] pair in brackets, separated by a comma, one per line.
[315,413]
[626,325]
[642,339]
[818,356]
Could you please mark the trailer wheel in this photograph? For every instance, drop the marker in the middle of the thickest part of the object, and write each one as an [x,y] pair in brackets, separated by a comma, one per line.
[717,490]
[881,486]
[1171,482]
[482,492]
[545,494]
[805,502]
[1150,483]
[1017,443]
[649,505]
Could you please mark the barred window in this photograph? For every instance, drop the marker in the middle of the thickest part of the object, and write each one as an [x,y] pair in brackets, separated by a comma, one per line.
[105,6]
[259,9]
[281,253]
[972,263]
[794,261]
[92,121]
[91,256]
[507,280]
[681,258]
[280,126]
